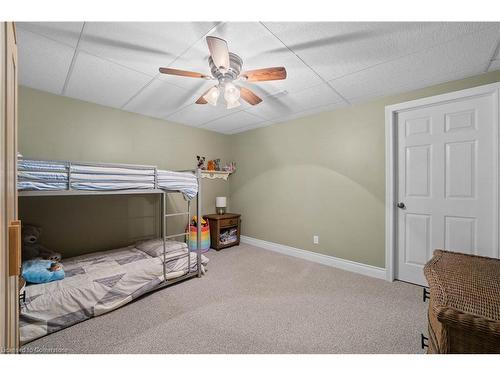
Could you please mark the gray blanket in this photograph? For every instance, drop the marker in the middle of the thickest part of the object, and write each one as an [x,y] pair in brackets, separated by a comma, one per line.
[96,283]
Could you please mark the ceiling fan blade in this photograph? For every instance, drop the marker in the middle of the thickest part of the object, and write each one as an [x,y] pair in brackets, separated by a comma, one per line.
[266,74]
[249,96]
[183,73]
[201,99]
[219,51]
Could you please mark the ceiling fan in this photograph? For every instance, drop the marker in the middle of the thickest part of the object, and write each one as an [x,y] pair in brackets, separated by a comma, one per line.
[226,68]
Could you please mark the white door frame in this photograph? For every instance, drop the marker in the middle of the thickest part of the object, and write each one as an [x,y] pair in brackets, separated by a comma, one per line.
[391,172]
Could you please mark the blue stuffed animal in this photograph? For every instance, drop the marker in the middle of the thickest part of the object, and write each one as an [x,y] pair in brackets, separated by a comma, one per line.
[38,271]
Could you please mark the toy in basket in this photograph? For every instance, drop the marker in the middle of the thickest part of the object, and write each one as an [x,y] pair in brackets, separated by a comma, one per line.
[205,235]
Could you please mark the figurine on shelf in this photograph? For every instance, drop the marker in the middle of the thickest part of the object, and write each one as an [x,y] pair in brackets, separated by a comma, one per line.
[201,161]
[211,165]
[217,164]
[231,167]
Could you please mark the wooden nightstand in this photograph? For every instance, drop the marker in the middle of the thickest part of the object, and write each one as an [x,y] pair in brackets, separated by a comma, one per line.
[224,230]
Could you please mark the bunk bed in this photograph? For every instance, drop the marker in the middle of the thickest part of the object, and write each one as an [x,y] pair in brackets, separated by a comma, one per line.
[100,282]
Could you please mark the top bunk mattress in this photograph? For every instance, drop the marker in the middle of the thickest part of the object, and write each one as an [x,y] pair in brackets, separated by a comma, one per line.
[39,175]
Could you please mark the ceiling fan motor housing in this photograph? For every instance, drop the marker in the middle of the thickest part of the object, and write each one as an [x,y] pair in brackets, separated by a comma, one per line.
[222,75]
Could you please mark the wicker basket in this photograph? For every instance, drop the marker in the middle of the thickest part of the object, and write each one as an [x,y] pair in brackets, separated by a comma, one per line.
[464,308]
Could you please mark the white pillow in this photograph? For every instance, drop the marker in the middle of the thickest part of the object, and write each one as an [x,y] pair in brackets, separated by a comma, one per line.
[154,247]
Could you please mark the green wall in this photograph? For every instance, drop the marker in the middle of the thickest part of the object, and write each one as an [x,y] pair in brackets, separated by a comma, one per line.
[322,175]
[57,127]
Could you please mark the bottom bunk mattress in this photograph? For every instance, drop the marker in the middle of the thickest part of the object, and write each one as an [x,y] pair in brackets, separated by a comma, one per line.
[97,283]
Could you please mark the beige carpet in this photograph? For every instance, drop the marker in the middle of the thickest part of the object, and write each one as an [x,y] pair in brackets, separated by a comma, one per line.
[256,301]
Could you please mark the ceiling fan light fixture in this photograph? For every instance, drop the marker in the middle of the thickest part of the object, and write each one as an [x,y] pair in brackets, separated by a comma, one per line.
[231,93]
[231,105]
[225,67]
[212,96]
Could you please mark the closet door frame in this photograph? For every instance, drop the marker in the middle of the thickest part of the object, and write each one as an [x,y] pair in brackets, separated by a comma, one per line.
[391,159]
[9,253]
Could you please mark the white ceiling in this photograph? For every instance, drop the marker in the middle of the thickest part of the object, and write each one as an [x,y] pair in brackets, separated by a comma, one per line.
[330,64]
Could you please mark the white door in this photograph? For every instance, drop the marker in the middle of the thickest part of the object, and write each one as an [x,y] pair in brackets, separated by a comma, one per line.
[447,173]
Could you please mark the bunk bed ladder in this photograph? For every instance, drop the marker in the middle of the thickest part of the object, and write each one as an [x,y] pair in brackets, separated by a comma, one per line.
[186,234]
[198,223]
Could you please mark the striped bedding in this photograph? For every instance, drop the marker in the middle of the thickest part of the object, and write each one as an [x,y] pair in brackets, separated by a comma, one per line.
[37,185]
[95,284]
[38,175]
[25,164]
[54,176]
[86,169]
[185,182]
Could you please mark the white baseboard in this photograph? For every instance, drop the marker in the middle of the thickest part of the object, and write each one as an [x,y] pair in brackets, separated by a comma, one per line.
[346,265]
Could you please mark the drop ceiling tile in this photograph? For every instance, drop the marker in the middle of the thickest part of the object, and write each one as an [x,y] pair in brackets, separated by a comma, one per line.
[463,57]
[495,65]
[142,46]
[199,114]
[159,99]
[100,81]
[312,111]
[334,49]
[380,50]
[232,122]
[299,76]
[250,127]
[301,114]
[188,83]
[43,63]
[285,105]
[252,42]
[63,32]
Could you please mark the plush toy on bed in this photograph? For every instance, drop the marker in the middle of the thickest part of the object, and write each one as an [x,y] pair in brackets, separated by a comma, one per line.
[40,265]
[38,271]
[32,249]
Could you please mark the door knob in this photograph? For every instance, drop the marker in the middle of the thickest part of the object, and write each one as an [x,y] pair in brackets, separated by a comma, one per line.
[401,205]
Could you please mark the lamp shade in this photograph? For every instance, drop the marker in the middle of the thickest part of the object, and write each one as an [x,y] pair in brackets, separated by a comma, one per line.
[220,201]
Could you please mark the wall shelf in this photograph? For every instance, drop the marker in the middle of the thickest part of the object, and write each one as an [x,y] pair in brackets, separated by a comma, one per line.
[212,175]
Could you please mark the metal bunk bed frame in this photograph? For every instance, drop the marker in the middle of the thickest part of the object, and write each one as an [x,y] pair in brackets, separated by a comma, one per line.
[163,211]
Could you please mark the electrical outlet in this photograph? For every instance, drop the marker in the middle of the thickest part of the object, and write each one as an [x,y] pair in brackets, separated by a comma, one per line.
[315,240]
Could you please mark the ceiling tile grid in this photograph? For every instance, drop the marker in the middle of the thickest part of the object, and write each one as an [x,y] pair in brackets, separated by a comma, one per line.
[197,115]
[236,120]
[63,32]
[457,59]
[116,64]
[159,99]
[334,49]
[97,80]
[43,63]
[495,61]
[249,127]
[289,103]
[495,65]
[250,41]
[142,46]
[312,111]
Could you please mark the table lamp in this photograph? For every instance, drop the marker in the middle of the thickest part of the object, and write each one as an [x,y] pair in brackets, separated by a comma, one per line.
[220,205]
